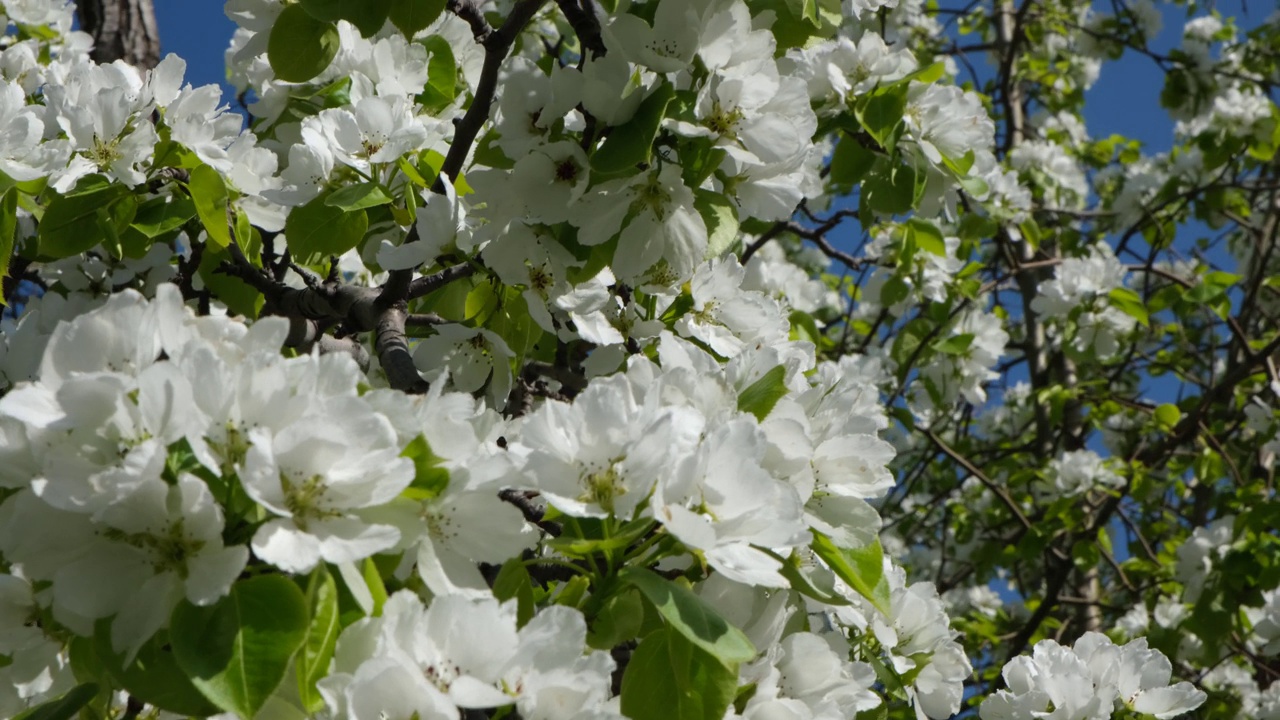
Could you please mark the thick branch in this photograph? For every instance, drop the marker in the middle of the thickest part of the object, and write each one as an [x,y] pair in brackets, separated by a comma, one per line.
[393,351]
[496,46]
[122,30]
[469,12]
[430,283]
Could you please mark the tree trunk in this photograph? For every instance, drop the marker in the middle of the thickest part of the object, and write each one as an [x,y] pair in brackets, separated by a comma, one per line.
[122,30]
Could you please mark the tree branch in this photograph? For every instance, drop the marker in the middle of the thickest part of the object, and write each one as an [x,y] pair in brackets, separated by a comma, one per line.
[582,19]
[122,30]
[496,46]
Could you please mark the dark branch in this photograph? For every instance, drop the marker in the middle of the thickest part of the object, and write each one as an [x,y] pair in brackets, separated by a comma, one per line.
[582,19]
[496,46]
[430,283]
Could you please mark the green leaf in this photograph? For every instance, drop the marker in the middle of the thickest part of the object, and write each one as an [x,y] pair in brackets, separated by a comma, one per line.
[209,194]
[630,144]
[410,16]
[70,223]
[669,678]
[690,616]
[1129,303]
[894,291]
[585,546]
[429,479]
[974,186]
[318,230]
[573,590]
[312,662]
[482,302]
[976,227]
[760,396]
[514,324]
[442,74]
[160,216]
[927,236]
[809,11]
[301,46]
[514,581]
[239,297]
[64,707]
[237,650]
[790,570]
[8,226]
[358,197]
[862,568]
[367,15]
[890,189]
[1167,415]
[881,114]
[721,218]
[617,622]
[928,74]
[377,588]
[326,10]
[114,219]
[791,28]
[955,345]
[850,162]
[154,676]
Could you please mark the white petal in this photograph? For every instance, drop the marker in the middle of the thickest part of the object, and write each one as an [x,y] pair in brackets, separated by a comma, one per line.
[347,539]
[211,573]
[282,544]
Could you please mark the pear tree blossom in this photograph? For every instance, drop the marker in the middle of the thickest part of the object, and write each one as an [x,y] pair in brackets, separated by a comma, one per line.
[647,359]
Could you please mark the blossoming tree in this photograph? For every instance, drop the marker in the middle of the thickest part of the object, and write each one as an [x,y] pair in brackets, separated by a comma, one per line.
[654,359]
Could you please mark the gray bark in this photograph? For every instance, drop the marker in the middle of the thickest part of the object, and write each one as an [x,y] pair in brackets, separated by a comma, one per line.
[122,30]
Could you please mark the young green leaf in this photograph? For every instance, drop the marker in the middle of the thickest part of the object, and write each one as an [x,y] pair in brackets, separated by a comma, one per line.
[630,144]
[721,218]
[153,676]
[317,230]
[70,223]
[692,617]
[670,678]
[237,650]
[8,224]
[301,46]
[358,197]
[862,568]
[411,16]
[760,396]
[514,581]
[312,662]
[209,193]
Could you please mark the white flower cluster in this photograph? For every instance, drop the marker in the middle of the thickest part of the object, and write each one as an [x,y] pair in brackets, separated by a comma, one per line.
[125,455]
[1078,292]
[1090,681]
[1200,552]
[421,662]
[1079,471]
[1266,624]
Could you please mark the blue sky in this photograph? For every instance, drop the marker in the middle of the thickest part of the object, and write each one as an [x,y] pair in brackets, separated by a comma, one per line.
[198,31]
[1125,100]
